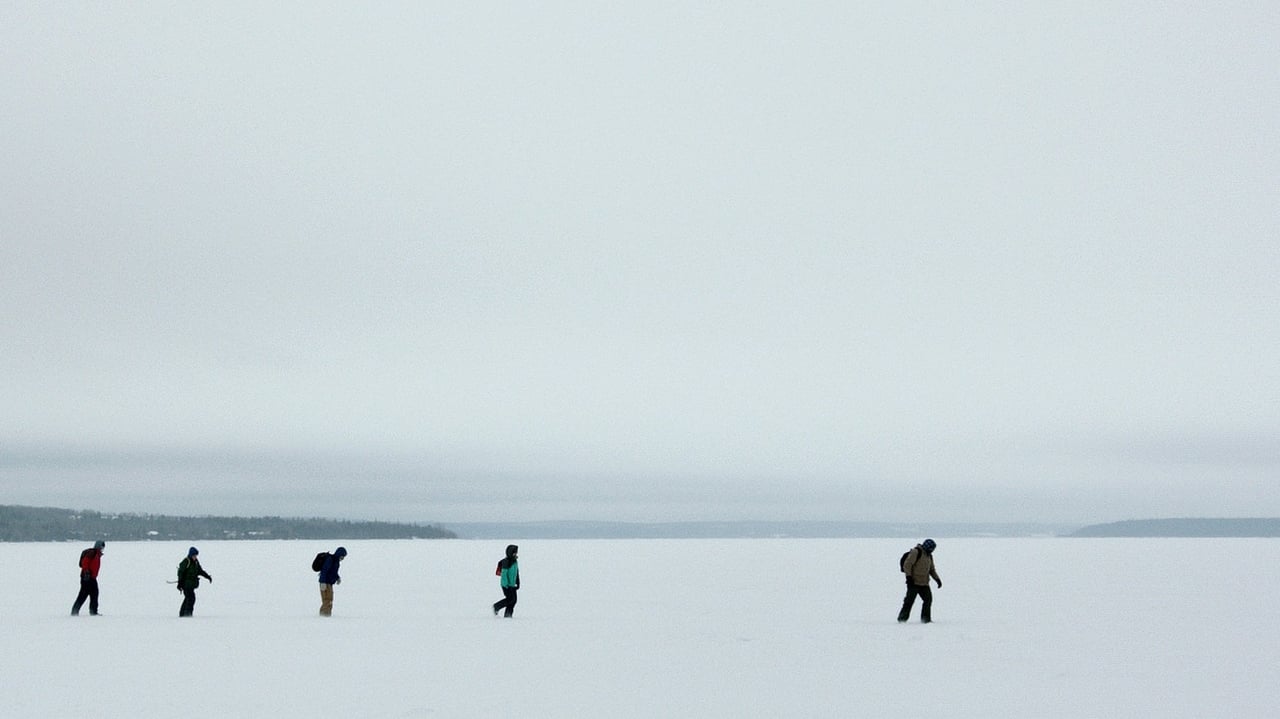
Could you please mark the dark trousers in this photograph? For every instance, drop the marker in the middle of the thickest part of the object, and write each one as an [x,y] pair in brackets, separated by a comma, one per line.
[188,602]
[88,590]
[926,602]
[508,600]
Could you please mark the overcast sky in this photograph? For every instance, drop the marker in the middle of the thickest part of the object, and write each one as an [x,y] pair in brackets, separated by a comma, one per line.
[511,261]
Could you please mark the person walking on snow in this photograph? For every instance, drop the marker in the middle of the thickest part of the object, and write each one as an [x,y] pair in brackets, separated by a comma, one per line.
[328,578]
[918,566]
[90,561]
[189,573]
[509,571]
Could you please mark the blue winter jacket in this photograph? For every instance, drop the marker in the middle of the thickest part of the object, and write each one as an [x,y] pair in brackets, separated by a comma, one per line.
[329,572]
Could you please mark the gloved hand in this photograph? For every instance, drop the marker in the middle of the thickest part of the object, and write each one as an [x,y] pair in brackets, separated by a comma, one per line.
[338,580]
[179,586]
[939,584]
[211,580]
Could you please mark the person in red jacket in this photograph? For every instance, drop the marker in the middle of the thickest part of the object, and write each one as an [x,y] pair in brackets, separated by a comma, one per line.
[90,562]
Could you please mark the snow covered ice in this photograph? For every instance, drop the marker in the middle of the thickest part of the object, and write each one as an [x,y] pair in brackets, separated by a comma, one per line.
[650,628]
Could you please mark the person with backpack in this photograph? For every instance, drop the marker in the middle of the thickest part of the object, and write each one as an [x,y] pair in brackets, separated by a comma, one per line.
[90,562]
[189,573]
[917,564]
[328,577]
[509,572]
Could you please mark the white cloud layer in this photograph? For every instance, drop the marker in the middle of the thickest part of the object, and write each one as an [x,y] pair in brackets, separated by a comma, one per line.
[825,249]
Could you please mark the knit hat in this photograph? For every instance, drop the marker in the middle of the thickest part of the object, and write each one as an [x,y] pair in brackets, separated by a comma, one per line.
[929,545]
[99,544]
[192,552]
[340,552]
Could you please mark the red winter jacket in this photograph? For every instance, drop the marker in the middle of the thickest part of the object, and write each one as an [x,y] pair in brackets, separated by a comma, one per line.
[90,561]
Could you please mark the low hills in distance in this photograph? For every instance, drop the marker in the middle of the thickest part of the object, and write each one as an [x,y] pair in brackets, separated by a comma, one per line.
[45,524]
[1184,527]
[49,524]
[799,529]
[1193,527]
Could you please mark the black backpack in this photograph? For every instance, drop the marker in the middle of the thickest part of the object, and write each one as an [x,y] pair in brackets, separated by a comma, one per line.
[318,563]
[902,562]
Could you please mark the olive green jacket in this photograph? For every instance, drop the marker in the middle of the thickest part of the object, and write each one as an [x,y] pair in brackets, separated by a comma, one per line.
[919,567]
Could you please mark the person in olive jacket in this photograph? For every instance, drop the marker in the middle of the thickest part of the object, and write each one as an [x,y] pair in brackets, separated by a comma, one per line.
[509,571]
[918,566]
[189,573]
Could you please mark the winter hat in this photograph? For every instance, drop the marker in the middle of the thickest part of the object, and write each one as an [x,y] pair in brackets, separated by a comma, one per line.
[512,549]
[340,552]
[192,552]
[99,544]
[929,545]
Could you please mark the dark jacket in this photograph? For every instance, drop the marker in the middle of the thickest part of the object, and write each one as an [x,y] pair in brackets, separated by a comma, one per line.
[329,572]
[189,573]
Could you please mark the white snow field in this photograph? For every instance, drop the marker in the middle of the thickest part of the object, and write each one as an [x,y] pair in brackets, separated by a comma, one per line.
[651,628]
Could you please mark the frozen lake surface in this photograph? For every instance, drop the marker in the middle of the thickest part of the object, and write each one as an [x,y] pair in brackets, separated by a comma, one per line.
[651,628]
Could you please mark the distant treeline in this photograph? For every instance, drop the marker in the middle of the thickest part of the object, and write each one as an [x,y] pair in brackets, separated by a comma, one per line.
[48,524]
[1185,527]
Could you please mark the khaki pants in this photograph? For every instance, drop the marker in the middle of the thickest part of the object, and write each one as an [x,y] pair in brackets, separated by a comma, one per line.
[326,600]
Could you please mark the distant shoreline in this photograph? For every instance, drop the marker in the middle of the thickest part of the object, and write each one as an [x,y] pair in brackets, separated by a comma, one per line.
[52,524]
[39,524]
[1193,527]
[1184,527]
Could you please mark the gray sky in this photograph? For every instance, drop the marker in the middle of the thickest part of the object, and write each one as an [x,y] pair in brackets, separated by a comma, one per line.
[668,261]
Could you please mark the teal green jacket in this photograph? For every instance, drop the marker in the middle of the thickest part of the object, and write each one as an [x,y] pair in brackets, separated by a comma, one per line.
[511,575]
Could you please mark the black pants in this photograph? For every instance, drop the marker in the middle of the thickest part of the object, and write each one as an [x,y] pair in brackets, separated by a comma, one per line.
[508,601]
[926,602]
[188,602]
[88,590]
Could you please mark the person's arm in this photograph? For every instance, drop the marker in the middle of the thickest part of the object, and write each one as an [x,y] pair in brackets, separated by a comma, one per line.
[933,572]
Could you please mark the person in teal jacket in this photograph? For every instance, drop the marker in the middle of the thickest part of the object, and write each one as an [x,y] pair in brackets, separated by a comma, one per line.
[509,571]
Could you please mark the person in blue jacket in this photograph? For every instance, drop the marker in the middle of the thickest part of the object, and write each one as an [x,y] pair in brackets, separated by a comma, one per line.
[328,578]
[509,571]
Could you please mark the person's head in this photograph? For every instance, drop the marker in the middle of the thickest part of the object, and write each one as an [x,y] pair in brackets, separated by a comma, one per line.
[99,545]
[340,552]
[512,550]
[192,552]
[929,545]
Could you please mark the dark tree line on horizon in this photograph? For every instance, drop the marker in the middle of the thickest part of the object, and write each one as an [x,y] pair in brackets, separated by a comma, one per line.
[51,524]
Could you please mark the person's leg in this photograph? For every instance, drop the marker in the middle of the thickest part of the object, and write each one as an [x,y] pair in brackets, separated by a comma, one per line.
[926,604]
[93,596]
[83,595]
[188,603]
[326,600]
[907,601]
[509,600]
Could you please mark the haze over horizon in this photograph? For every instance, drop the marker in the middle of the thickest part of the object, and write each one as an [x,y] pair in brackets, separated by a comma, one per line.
[679,261]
